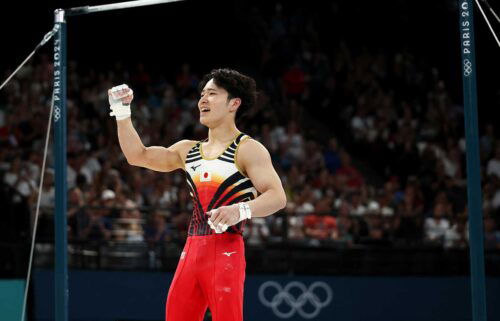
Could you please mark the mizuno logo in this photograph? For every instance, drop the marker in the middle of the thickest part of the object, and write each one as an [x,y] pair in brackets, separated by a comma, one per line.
[195,167]
[228,253]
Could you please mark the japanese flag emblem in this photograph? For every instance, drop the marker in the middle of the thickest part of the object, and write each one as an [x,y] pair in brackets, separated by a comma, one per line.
[205,176]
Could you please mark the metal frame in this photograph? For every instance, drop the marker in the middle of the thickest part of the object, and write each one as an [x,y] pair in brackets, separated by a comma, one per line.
[466,9]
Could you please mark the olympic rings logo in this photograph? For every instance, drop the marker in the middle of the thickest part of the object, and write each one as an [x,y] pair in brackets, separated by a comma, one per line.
[467,67]
[57,113]
[284,296]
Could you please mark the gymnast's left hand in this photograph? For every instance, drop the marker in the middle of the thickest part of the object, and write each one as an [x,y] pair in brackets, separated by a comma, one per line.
[223,217]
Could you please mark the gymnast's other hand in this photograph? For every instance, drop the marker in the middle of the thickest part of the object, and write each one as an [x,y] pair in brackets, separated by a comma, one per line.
[223,217]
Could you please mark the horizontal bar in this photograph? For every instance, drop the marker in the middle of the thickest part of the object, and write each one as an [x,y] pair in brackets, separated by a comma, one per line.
[76,11]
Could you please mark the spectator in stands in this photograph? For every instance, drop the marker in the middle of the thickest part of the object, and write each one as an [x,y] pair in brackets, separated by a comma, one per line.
[18,177]
[436,226]
[163,194]
[357,206]
[413,203]
[182,201]
[108,204]
[48,190]
[136,185]
[304,201]
[457,237]
[491,234]
[344,231]
[348,174]
[385,203]
[494,201]
[294,143]
[493,167]
[128,225]
[186,80]
[95,226]
[157,230]
[487,141]
[292,229]
[76,212]
[331,155]
[294,82]
[180,223]
[295,227]
[256,231]
[320,225]
[378,229]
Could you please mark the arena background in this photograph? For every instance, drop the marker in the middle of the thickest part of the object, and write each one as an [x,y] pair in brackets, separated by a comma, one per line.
[356,242]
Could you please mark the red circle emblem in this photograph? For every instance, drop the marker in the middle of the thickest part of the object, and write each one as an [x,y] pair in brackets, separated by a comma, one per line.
[205,175]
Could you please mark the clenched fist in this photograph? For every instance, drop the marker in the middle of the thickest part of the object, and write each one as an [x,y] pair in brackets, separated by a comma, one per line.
[120,98]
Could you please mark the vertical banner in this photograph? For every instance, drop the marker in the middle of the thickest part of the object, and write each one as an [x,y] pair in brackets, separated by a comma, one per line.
[473,164]
[61,241]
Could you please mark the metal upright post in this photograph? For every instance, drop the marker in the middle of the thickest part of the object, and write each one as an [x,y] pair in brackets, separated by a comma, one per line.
[474,199]
[61,238]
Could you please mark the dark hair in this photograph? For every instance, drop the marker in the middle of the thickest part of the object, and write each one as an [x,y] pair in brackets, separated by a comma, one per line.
[237,85]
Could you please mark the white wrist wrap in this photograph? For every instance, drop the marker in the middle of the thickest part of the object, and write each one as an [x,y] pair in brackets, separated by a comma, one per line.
[118,109]
[245,212]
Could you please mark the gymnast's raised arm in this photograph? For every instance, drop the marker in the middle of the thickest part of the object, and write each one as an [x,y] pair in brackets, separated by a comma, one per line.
[157,158]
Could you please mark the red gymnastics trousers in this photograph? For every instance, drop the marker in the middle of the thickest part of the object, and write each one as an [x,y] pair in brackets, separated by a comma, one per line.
[210,273]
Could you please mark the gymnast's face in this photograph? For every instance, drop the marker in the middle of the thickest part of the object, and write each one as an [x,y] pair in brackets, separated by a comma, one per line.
[215,107]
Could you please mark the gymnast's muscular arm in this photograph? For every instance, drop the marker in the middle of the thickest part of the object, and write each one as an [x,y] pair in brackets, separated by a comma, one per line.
[254,159]
[157,158]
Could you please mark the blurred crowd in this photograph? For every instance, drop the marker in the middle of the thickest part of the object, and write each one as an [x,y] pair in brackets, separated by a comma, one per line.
[368,143]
